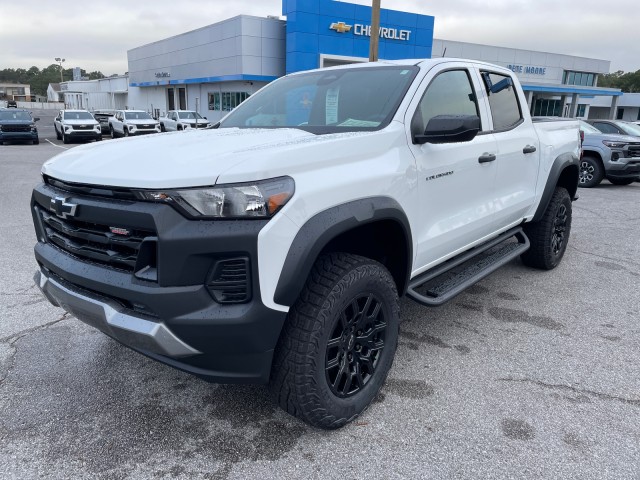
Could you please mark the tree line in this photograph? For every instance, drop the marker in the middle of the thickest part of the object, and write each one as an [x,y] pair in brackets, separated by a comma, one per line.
[628,82]
[39,80]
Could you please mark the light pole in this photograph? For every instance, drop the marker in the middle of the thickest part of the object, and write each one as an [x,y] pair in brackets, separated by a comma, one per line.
[60,60]
[375,31]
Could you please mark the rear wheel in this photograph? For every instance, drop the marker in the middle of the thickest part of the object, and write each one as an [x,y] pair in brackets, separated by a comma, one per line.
[549,236]
[339,341]
[622,181]
[591,172]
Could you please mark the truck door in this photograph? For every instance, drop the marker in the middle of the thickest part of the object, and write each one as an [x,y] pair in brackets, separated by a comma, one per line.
[455,180]
[518,149]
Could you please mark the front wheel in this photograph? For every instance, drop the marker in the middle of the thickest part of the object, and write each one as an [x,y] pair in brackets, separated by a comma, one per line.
[113,133]
[338,343]
[591,172]
[549,236]
[126,132]
[65,138]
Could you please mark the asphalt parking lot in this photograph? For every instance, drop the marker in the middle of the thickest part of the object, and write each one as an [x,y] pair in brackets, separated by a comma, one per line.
[528,374]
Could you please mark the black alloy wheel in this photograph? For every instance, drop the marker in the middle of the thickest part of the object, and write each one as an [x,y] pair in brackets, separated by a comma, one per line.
[559,229]
[355,345]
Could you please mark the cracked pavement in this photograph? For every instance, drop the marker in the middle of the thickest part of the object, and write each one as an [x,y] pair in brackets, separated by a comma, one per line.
[528,374]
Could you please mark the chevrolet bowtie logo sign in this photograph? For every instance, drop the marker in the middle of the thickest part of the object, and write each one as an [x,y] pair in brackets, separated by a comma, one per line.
[62,208]
[340,27]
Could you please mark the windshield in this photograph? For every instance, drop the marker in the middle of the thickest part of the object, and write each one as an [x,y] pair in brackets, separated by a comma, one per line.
[137,116]
[327,101]
[190,115]
[629,128]
[22,116]
[586,128]
[77,116]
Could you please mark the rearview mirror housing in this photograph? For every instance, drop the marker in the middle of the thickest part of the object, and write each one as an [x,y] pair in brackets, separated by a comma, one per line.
[449,129]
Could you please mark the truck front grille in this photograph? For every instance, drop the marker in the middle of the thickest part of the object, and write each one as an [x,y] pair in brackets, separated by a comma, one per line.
[116,247]
[82,127]
[16,128]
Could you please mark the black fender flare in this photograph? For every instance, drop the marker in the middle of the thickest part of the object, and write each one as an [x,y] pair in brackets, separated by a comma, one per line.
[560,165]
[323,227]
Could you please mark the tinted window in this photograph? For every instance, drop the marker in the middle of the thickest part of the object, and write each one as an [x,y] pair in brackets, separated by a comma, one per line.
[605,127]
[450,93]
[505,109]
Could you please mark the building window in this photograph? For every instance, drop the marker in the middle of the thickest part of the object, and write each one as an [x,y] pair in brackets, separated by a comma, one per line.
[582,79]
[547,108]
[620,114]
[226,101]
[582,108]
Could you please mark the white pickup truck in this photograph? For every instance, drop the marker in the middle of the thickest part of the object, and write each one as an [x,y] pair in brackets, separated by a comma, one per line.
[275,247]
[178,120]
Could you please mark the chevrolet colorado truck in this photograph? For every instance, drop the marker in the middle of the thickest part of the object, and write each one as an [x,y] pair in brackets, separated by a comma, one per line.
[608,155]
[274,247]
[177,120]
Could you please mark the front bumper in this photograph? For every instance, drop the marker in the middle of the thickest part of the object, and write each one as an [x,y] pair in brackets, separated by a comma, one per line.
[631,169]
[83,134]
[170,315]
[18,136]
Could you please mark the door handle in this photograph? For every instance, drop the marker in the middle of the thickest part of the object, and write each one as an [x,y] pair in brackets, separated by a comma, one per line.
[529,149]
[486,157]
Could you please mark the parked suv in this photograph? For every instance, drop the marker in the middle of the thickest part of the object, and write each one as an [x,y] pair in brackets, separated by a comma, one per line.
[76,125]
[18,125]
[12,104]
[606,155]
[182,120]
[132,122]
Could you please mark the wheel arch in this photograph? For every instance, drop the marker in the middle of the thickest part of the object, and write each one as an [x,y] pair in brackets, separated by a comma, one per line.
[380,221]
[565,172]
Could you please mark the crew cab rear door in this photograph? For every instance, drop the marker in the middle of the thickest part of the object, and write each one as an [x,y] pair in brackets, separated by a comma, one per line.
[455,180]
[518,148]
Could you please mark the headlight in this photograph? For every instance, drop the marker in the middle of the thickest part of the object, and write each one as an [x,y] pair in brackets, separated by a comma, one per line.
[611,144]
[238,200]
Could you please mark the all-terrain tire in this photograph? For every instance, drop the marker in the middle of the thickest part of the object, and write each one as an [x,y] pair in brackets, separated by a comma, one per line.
[338,342]
[549,236]
[591,172]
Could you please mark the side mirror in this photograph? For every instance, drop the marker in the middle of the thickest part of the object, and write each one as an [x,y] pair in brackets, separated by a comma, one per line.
[36,119]
[205,118]
[449,129]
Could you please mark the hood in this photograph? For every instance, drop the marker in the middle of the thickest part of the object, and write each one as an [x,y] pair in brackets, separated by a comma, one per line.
[168,160]
[80,122]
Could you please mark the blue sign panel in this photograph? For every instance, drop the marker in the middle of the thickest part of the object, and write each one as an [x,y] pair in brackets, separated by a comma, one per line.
[330,27]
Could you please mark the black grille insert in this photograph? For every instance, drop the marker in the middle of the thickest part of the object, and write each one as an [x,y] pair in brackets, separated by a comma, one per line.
[98,243]
[230,281]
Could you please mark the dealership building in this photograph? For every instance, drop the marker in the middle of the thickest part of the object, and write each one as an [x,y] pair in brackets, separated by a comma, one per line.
[214,68]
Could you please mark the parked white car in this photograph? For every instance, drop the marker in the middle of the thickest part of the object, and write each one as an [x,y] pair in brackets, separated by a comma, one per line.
[76,125]
[182,120]
[132,122]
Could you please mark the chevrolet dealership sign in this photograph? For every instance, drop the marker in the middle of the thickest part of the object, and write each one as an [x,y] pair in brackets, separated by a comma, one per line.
[365,30]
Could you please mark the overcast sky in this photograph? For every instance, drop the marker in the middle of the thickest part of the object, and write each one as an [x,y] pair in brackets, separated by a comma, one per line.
[96,35]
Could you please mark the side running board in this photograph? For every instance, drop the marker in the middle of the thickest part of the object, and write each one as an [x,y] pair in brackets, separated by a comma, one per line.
[455,275]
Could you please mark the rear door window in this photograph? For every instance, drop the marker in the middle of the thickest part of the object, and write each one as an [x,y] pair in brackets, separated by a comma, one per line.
[503,101]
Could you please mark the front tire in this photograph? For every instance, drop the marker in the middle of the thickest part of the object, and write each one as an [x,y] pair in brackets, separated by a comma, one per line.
[126,132]
[549,236]
[338,343]
[591,172]
[65,138]
[58,136]
[113,133]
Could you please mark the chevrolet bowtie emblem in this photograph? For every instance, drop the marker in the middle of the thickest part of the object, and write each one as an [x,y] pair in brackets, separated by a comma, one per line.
[340,27]
[62,208]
